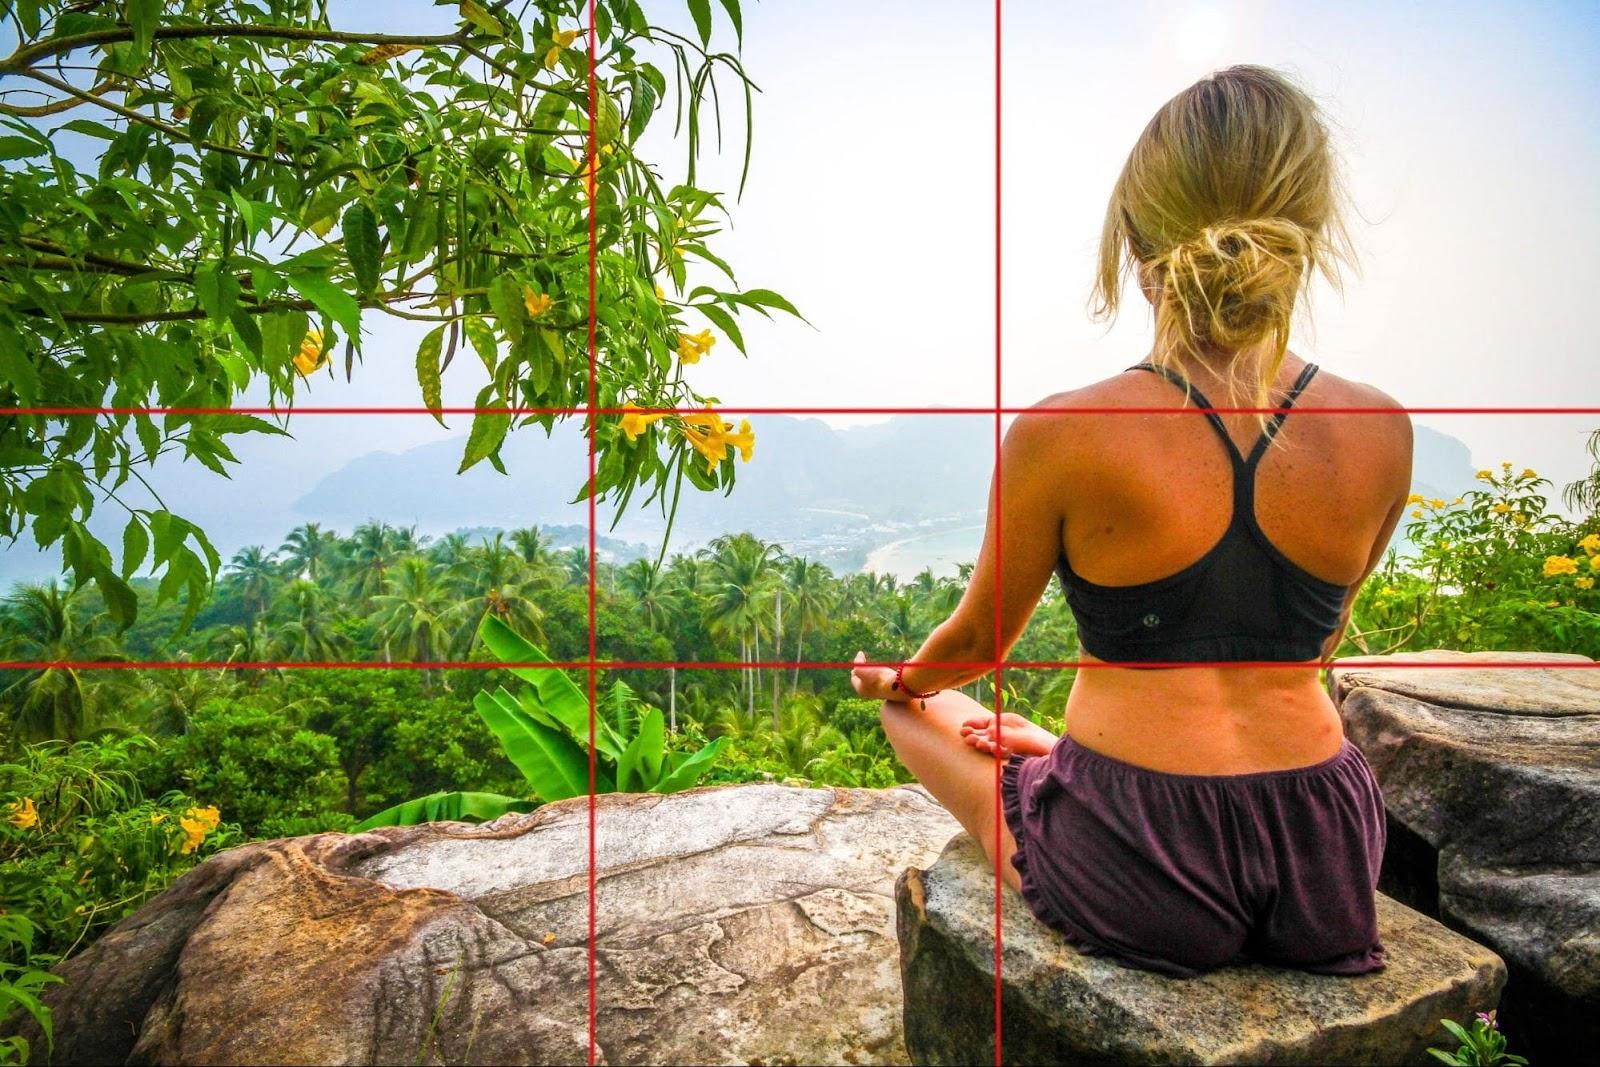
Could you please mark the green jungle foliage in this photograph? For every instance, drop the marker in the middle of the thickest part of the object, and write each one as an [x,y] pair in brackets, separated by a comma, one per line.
[214,192]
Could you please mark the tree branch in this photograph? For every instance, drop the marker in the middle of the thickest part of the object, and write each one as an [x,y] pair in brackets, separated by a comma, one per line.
[25,57]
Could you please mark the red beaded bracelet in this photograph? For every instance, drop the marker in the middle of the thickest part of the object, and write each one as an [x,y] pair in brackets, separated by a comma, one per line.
[900,684]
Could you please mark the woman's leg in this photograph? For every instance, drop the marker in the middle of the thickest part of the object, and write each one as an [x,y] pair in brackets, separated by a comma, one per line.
[926,735]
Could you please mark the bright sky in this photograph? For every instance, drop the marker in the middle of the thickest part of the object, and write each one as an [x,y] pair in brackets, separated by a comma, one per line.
[1470,135]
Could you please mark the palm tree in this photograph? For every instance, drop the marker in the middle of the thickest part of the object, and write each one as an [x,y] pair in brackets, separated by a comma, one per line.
[414,620]
[575,562]
[40,626]
[450,549]
[742,567]
[371,556]
[653,592]
[243,643]
[811,603]
[168,699]
[495,581]
[310,633]
[308,550]
[251,573]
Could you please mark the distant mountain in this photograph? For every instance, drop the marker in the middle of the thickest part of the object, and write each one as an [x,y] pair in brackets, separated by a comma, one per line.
[833,494]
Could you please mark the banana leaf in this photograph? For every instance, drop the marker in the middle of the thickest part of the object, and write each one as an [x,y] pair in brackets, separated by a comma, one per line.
[445,807]
[554,692]
[555,766]
[689,771]
[639,766]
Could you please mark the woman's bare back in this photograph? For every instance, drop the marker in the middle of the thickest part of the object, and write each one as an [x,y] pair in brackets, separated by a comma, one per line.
[1146,495]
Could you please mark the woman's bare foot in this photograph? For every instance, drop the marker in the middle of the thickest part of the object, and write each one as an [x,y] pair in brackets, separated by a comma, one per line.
[1017,736]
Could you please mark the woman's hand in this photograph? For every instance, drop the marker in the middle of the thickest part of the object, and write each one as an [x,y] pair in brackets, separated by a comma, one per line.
[1017,736]
[874,683]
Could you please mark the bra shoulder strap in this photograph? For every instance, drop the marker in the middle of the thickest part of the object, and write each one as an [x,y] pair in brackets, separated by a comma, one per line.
[1276,422]
[1200,400]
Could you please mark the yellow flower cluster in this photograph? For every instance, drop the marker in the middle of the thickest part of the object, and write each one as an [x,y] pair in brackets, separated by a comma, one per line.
[196,824]
[563,40]
[1555,566]
[708,433]
[1590,544]
[711,435]
[312,355]
[536,303]
[22,814]
[1485,475]
[691,346]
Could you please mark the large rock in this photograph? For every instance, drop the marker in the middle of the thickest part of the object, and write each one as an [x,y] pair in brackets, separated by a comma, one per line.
[1492,781]
[1061,1006]
[737,924]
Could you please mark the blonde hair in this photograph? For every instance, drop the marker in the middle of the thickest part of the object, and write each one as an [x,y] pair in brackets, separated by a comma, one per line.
[1226,206]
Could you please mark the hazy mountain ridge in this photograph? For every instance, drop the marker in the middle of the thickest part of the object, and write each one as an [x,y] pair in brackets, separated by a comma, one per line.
[829,493]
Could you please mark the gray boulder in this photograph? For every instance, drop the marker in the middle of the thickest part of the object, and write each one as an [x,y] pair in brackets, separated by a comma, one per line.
[1061,1006]
[737,924]
[1492,782]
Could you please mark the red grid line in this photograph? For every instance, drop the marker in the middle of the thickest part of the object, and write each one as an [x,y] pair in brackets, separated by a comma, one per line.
[591,184]
[1350,663]
[757,409]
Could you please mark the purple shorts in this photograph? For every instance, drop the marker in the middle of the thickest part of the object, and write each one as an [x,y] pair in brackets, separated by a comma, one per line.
[1182,873]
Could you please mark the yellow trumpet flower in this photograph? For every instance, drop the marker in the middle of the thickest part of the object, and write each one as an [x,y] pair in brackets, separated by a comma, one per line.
[563,40]
[635,422]
[312,354]
[22,814]
[1590,544]
[196,824]
[536,303]
[692,346]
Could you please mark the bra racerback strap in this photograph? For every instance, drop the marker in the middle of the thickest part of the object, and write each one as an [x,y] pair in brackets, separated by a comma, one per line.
[1274,423]
[1200,399]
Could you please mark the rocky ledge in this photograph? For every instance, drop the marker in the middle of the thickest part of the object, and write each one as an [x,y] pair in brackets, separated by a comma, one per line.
[1061,1006]
[1492,782]
[747,924]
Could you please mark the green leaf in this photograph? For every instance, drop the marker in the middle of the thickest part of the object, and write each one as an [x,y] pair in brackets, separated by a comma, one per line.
[445,807]
[329,299]
[480,17]
[505,299]
[428,371]
[768,298]
[556,695]
[734,16]
[135,545]
[481,336]
[724,322]
[701,10]
[361,245]
[20,148]
[689,771]
[143,16]
[639,766]
[217,290]
[488,430]
[555,766]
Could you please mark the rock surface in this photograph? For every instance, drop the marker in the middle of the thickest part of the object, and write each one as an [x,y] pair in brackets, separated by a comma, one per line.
[1492,782]
[737,924]
[1061,1006]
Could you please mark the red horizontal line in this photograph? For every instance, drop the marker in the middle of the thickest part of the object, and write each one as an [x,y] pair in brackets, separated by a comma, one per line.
[731,665]
[759,410]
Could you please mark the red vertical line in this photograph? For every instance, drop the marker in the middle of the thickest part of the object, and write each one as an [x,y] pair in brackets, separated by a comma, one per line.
[999,627]
[591,186]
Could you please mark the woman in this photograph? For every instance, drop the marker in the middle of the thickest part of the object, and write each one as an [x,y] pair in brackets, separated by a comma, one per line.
[1191,816]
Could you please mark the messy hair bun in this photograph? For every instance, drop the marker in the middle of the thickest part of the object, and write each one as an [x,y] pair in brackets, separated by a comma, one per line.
[1226,206]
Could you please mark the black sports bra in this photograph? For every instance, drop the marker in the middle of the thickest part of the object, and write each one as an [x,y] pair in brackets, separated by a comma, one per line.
[1242,601]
